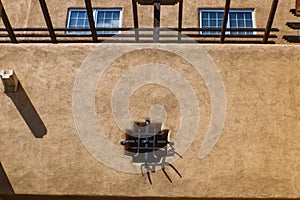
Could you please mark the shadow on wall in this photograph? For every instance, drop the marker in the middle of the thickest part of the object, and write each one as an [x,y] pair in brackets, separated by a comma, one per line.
[28,112]
[148,144]
[5,186]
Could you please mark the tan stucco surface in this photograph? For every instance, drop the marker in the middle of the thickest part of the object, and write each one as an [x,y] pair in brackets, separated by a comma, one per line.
[257,154]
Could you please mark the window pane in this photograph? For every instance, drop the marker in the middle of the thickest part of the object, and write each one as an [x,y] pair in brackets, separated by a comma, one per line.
[211,19]
[100,23]
[81,14]
[213,15]
[106,18]
[108,15]
[107,23]
[101,15]
[221,15]
[236,19]
[86,23]
[241,19]
[240,15]
[213,23]
[115,23]
[241,23]
[249,24]
[73,22]
[116,15]
[248,15]
[80,22]
[204,23]
[233,23]
[78,19]
[232,16]
[204,15]
[73,14]
[220,23]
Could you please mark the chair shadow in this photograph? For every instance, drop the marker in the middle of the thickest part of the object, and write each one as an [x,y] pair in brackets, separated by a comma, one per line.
[5,186]
[148,145]
[28,112]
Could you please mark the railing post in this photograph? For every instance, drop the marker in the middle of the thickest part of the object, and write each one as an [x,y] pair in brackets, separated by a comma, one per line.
[156,21]
[180,19]
[48,20]
[270,21]
[135,20]
[225,20]
[89,11]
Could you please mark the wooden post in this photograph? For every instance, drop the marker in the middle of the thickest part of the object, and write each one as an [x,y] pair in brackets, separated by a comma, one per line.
[89,11]
[48,20]
[270,21]
[135,20]
[180,19]
[225,20]
[156,21]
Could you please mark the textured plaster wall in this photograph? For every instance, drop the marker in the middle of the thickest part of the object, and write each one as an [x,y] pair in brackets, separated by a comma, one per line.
[257,154]
[27,13]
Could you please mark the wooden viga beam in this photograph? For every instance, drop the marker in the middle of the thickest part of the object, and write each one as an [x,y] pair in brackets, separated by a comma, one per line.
[297,7]
[1,10]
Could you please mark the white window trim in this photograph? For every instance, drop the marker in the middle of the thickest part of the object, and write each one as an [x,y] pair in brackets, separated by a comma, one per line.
[95,14]
[228,21]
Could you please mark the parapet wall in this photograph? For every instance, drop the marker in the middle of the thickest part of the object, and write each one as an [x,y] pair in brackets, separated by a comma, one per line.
[256,152]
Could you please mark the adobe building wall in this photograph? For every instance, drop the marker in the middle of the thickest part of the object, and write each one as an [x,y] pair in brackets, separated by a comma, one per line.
[257,154]
[27,13]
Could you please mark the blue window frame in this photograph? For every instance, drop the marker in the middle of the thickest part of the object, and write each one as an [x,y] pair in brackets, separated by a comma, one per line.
[236,19]
[104,18]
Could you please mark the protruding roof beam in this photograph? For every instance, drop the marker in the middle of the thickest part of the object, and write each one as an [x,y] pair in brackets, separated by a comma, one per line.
[7,24]
[293,25]
[89,10]
[298,7]
[225,20]
[292,38]
[48,20]
[270,21]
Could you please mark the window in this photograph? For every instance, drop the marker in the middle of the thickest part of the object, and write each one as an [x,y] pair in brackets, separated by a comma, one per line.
[104,18]
[236,19]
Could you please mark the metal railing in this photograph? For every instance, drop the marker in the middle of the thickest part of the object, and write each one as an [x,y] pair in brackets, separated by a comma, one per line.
[140,35]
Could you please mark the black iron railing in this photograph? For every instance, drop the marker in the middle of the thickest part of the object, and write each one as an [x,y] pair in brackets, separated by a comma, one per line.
[141,35]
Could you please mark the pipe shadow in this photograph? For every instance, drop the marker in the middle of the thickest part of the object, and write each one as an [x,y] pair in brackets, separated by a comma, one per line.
[28,112]
[5,186]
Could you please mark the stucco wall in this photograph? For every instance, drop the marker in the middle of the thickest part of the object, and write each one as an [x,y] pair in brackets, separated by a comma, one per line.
[28,13]
[257,154]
